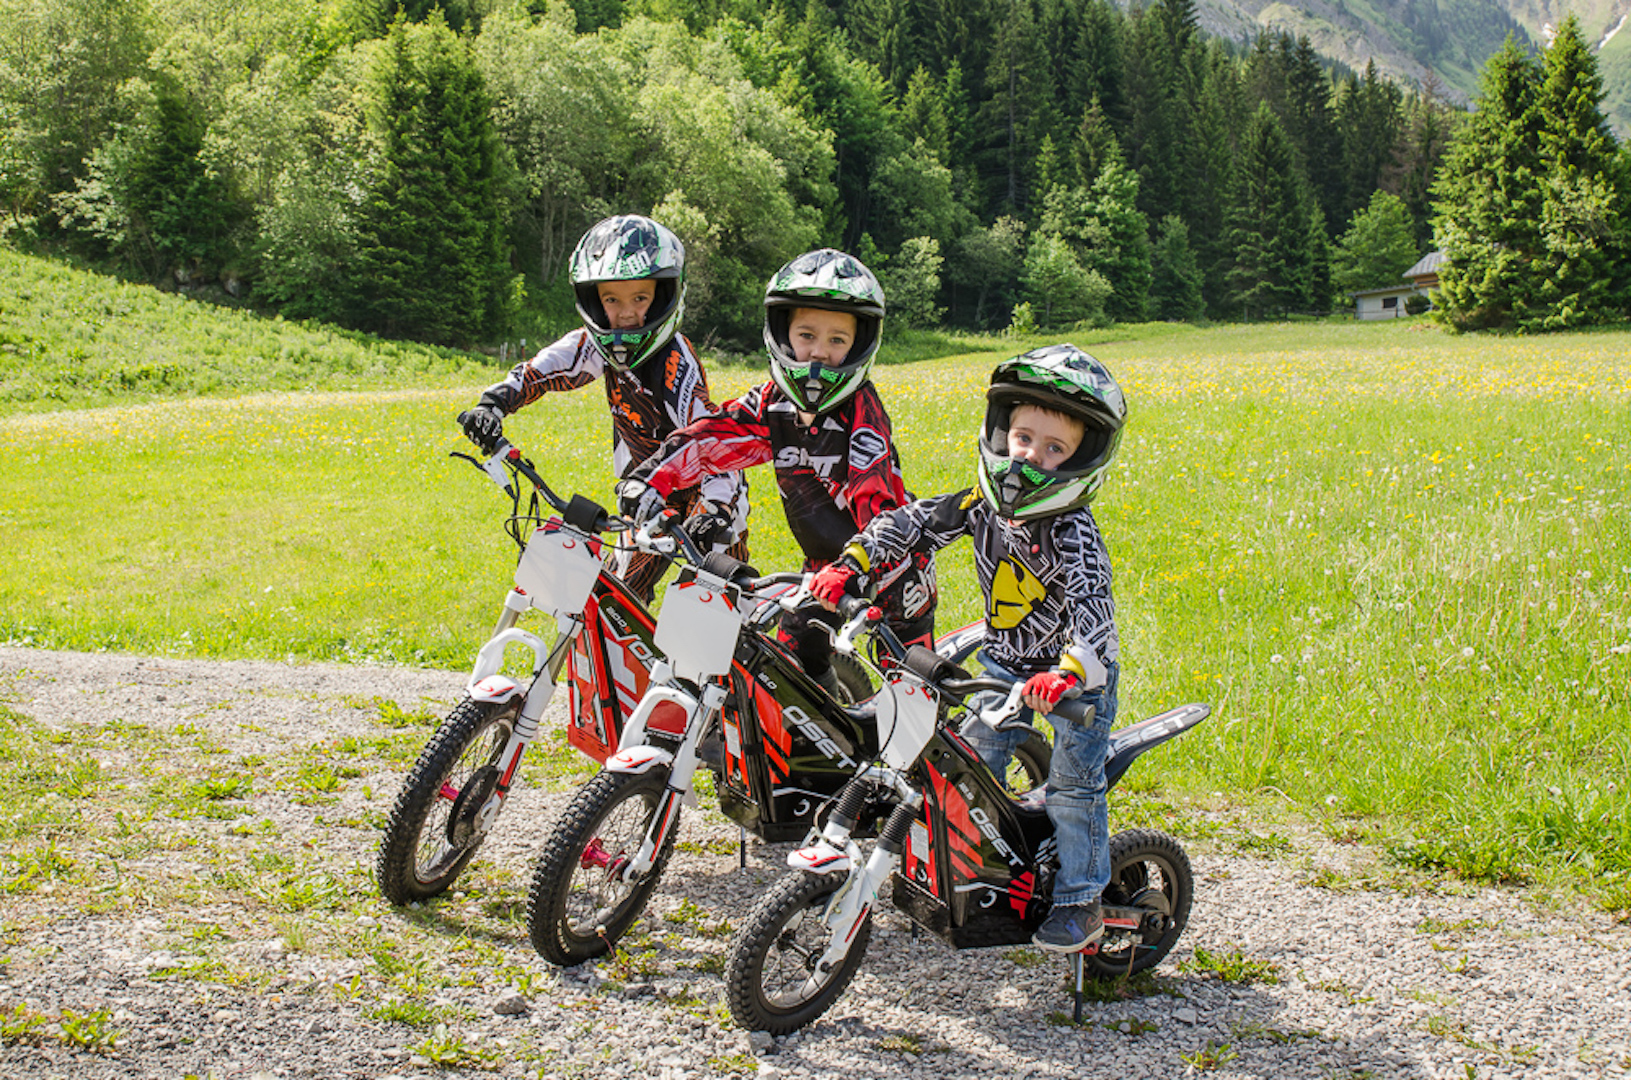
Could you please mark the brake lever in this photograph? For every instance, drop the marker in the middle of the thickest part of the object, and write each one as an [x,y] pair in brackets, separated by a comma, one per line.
[998,715]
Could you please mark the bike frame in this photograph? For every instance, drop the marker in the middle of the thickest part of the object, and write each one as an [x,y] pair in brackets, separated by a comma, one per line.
[972,863]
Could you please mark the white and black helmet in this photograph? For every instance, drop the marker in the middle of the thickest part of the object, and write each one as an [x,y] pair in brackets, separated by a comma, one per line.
[630,247]
[832,281]
[1063,379]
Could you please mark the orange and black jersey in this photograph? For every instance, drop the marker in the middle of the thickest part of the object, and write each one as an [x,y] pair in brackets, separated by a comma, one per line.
[647,404]
[1046,583]
[835,473]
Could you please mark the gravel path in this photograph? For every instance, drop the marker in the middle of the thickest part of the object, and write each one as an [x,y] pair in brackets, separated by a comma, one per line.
[207,910]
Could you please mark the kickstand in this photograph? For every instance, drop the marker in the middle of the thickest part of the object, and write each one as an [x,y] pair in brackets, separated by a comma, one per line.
[742,848]
[1080,963]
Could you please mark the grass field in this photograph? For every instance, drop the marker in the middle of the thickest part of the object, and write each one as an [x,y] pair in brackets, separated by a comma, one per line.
[1396,562]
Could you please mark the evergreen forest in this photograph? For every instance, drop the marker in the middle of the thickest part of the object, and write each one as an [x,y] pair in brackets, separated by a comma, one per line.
[421,170]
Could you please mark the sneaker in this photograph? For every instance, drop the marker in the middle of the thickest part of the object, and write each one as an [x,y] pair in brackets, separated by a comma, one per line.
[1070,928]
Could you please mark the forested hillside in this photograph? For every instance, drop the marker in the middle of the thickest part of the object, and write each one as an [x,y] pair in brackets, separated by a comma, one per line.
[420,170]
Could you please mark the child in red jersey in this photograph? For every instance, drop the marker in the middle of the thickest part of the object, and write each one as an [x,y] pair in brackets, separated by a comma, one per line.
[820,423]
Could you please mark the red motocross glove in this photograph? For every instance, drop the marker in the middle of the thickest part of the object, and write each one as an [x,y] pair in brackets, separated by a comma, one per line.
[831,582]
[1048,686]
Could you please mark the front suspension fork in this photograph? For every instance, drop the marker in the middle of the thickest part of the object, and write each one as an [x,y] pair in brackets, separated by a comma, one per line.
[547,664]
[855,899]
[680,773]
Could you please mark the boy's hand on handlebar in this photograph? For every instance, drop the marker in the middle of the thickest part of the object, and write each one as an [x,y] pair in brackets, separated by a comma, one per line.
[1046,689]
[484,426]
[831,584]
[708,526]
[638,501]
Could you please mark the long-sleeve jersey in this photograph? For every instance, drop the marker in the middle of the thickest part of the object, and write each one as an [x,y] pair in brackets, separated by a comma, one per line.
[648,404]
[835,474]
[1046,583]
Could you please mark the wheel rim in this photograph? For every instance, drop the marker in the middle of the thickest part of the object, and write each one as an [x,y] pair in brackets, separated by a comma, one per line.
[790,978]
[437,849]
[599,889]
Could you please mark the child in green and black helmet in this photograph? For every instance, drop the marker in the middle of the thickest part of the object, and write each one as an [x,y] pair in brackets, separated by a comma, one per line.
[820,422]
[1052,424]
[628,274]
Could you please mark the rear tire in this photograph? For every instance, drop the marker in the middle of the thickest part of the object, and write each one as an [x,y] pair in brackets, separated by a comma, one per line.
[1148,869]
[431,836]
[770,978]
[579,905]
[1029,767]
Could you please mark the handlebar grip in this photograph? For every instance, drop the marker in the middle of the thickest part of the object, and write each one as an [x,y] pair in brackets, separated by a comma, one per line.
[1076,710]
[852,606]
[585,515]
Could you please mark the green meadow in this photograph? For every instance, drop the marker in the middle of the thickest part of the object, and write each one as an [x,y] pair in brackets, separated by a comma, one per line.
[1396,562]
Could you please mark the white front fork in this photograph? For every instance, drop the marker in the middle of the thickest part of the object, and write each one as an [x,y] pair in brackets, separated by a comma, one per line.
[486,684]
[635,755]
[853,901]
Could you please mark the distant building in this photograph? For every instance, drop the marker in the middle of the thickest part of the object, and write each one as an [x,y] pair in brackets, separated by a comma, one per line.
[1424,275]
[1389,302]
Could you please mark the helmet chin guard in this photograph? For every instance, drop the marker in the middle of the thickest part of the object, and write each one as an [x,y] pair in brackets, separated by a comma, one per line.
[828,280]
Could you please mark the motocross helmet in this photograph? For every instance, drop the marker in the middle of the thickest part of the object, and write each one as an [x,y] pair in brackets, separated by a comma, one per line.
[833,281]
[629,247]
[1067,380]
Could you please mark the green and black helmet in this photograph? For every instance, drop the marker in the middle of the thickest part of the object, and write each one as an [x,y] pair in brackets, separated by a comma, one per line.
[1064,379]
[630,247]
[833,281]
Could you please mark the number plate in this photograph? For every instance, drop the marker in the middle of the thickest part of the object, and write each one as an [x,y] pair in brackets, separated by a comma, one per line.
[697,629]
[557,571]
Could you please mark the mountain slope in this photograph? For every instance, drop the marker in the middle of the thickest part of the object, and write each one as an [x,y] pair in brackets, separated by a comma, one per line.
[1452,39]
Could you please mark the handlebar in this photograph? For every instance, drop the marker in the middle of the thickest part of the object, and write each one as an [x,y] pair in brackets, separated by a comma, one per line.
[506,462]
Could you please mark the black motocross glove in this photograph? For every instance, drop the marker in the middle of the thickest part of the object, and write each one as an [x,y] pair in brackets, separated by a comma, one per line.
[484,426]
[638,501]
[708,526]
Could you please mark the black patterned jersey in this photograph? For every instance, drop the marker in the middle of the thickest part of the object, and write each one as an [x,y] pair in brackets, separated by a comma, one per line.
[1046,583]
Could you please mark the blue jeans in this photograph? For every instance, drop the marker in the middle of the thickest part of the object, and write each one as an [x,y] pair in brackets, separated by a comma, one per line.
[1076,784]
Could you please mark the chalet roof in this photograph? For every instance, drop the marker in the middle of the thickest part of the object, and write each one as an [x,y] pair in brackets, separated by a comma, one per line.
[1427,264]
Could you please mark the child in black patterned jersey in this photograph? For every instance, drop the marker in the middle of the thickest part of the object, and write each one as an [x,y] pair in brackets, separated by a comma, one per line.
[1053,421]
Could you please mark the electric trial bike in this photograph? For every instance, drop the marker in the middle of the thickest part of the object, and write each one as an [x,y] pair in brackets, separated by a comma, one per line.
[967,860]
[454,792]
[784,750]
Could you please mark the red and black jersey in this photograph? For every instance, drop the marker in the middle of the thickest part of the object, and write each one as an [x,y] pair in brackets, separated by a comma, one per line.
[647,404]
[836,473]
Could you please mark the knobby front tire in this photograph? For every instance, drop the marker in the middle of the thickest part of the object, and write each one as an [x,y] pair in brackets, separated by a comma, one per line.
[579,905]
[771,981]
[430,837]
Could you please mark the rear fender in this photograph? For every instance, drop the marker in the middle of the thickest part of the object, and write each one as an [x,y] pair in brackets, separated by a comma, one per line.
[1129,742]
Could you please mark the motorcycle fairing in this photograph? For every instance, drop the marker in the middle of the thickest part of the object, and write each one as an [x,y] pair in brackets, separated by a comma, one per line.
[607,684]
[976,861]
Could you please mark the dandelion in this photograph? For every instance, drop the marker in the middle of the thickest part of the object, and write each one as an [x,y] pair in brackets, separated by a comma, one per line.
[1467,652]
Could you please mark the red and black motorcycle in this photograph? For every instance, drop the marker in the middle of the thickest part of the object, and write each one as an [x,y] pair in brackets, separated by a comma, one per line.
[785,750]
[970,862]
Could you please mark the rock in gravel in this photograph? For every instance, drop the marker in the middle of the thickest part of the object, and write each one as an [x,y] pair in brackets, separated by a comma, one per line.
[511,1004]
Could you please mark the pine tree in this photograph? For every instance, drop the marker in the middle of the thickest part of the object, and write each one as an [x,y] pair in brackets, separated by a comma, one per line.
[1267,224]
[432,260]
[1017,79]
[1369,122]
[1428,126]
[1489,202]
[1583,272]
[1175,276]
